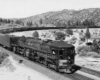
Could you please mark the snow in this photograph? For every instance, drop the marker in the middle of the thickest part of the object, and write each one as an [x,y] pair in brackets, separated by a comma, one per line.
[88,75]
[89,62]
[20,72]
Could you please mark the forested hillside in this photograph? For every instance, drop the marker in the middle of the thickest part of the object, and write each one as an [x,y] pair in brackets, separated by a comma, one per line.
[64,18]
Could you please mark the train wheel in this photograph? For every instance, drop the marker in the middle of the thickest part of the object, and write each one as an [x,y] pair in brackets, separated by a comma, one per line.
[49,65]
[14,49]
[69,69]
[56,68]
[40,61]
[45,63]
[34,60]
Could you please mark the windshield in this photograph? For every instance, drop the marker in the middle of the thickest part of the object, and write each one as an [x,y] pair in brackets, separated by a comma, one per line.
[66,53]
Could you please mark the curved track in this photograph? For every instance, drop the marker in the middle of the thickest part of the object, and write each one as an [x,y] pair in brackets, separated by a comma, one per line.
[93,72]
[11,30]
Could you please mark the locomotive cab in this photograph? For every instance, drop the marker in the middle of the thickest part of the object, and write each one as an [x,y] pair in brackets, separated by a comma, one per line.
[64,55]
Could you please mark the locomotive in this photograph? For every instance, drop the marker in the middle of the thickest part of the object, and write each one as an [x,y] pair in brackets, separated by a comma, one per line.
[58,55]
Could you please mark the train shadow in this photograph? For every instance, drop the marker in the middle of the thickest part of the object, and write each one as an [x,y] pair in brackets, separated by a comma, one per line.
[75,68]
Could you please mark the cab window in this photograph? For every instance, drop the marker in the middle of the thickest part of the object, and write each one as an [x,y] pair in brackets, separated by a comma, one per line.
[54,52]
[61,52]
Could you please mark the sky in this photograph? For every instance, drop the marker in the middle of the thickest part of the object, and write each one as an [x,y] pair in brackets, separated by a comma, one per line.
[26,8]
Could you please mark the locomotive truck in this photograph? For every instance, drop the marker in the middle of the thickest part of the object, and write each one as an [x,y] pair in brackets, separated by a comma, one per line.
[58,55]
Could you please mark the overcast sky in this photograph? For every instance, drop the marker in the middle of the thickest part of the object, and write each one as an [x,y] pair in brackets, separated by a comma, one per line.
[26,8]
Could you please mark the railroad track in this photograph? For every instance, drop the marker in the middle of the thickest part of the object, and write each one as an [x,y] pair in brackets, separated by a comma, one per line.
[74,76]
[90,71]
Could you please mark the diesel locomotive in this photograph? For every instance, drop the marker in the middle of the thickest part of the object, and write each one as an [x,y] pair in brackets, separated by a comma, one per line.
[58,55]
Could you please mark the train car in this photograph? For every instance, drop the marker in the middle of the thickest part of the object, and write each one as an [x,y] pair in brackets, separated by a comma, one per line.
[4,40]
[57,55]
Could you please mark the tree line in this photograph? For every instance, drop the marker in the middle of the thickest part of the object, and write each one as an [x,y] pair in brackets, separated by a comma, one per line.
[58,23]
[72,23]
[5,21]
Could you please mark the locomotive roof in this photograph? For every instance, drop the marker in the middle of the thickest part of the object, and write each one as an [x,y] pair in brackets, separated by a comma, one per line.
[60,44]
[34,40]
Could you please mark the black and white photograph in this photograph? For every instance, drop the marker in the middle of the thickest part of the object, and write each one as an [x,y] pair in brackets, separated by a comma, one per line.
[49,39]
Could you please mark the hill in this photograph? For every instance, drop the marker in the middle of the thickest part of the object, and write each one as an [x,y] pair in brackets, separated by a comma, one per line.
[65,17]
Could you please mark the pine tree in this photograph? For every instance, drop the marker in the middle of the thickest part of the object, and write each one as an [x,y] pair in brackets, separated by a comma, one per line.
[35,25]
[29,24]
[18,22]
[87,34]
[41,21]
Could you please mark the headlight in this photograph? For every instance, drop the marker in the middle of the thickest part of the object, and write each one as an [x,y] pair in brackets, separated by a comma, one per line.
[62,62]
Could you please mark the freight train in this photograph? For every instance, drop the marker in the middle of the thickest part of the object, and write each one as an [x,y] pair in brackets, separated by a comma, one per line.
[58,55]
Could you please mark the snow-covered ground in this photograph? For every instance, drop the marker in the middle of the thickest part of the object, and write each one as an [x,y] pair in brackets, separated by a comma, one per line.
[89,62]
[49,34]
[43,34]
[13,70]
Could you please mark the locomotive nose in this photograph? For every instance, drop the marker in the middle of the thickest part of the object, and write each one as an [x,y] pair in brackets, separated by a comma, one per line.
[65,66]
[64,62]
